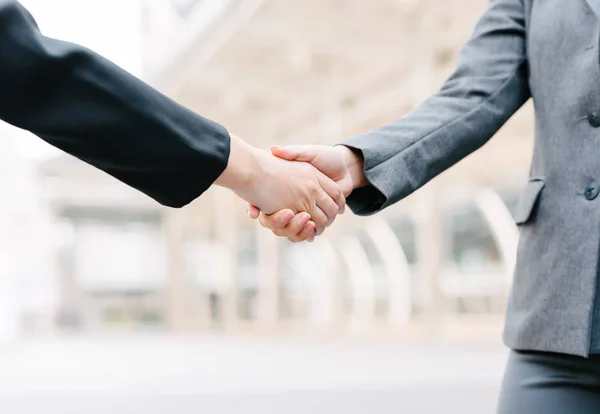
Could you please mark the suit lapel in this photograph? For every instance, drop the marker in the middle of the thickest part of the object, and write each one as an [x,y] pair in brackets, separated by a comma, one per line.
[595,6]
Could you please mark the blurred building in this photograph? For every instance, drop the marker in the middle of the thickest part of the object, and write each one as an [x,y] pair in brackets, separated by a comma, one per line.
[293,72]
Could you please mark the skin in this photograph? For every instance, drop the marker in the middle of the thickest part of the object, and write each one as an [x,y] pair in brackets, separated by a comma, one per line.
[296,191]
[341,164]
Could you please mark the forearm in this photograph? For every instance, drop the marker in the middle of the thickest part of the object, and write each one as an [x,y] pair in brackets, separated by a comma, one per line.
[487,88]
[88,107]
[243,169]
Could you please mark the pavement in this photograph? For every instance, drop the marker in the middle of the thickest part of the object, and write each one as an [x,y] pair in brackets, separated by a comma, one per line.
[193,374]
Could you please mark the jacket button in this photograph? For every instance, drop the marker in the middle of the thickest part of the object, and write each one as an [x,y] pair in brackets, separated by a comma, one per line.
[594,119]
[591,191]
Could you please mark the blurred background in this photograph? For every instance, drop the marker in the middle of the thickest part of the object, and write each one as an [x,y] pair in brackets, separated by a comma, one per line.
[109,302]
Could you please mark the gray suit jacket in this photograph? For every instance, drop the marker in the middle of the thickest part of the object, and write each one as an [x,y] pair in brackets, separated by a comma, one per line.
[547,50]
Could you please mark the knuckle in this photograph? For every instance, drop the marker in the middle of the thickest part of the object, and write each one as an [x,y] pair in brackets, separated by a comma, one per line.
[306,233]
[337,192]
[297,238]
[312,188]
[321,220]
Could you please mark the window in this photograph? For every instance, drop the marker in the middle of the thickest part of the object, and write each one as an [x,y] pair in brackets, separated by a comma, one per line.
[247,247]
[404,229]
[471,242]
[119,257]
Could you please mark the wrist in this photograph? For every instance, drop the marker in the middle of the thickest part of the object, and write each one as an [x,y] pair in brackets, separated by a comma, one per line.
[355,165]
[243,167]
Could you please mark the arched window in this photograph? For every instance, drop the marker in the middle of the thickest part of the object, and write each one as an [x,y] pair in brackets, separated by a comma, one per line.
[475,280]
[471,244]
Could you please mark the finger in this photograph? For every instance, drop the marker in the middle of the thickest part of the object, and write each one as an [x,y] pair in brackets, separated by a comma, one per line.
[277,220]
[307,232]
[294,227]
[334,192]
[253,212]
[319,217]
[328,207]
[305,153]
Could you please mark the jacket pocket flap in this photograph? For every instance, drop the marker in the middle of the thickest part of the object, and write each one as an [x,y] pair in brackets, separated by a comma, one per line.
[528,200]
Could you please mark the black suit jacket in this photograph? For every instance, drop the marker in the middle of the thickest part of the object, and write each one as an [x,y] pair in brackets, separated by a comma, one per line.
[83,104]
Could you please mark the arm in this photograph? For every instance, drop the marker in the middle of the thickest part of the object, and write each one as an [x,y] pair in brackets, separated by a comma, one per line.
[488,87]
[383,166]
[85,105]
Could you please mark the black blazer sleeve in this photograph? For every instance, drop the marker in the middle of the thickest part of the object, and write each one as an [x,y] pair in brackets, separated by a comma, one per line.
[83,104]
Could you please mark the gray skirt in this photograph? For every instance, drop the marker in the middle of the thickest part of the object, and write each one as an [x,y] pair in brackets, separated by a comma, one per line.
[547,383]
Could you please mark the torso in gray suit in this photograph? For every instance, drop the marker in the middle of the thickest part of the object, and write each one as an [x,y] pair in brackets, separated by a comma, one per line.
[547,50]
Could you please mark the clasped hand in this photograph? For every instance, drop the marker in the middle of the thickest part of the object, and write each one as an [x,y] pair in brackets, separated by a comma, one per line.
[294,191]
[340,165]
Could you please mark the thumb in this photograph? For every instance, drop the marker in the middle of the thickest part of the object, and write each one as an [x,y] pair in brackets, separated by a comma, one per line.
[253,212]
[277,220]
[305,153]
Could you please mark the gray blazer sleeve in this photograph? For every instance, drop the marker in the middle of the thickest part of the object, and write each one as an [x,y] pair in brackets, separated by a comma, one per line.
[487,88]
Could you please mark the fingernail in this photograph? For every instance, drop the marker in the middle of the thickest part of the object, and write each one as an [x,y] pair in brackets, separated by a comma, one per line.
[287,216]
[305,217]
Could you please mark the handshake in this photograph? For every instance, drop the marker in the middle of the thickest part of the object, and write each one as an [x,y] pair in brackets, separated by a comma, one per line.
[295,191]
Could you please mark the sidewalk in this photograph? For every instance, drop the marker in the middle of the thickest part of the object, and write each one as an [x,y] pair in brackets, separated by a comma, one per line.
[195,373]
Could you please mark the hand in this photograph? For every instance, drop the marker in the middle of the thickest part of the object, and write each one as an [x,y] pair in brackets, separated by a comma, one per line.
[334,162]
[273,184]
[340,163]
